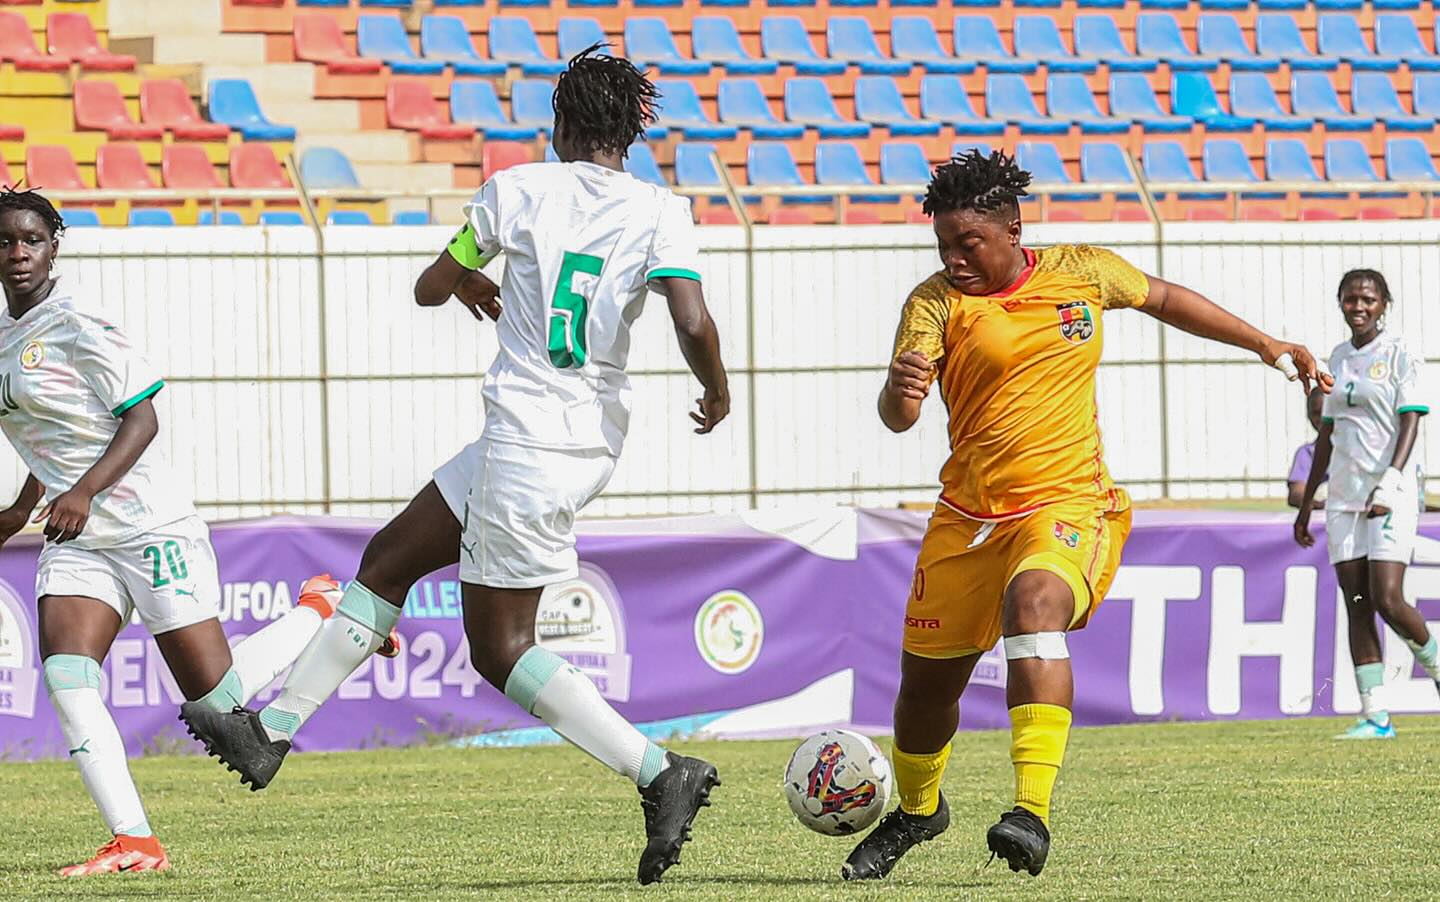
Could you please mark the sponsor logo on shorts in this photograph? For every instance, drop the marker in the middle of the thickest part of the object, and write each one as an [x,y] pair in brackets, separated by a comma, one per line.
[729,631]
[32,355]
[1068,535]
[922,623]
[1379,370]
[1076,324]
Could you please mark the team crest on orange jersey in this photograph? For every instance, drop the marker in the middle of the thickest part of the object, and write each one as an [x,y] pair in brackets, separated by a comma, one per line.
[1067,534]
[1076,324]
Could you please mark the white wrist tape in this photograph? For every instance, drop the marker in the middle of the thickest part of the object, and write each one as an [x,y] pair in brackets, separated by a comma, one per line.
[1045,646]
[1286,364]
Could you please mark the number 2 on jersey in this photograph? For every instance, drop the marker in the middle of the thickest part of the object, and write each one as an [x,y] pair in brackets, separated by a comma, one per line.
[173,558]
[1349,394]
[568,310]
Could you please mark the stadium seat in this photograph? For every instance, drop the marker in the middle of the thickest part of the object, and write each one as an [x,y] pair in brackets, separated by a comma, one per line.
[717,215]
[1339,36]
[98,105]
[1098,38]
[1347,160]
[1068,97]
[1037,38]
[963,147]
[694,167]
[232,102]
[1377,213]
[1267,5]
[1408,160]
[530,105]
[849,38]
[878,101]
[716,40]
[227,218]
[1009,98]
[914,38]
[1372,94]
[1313,94]
[1157,35]
[166,102]
[574,35]
[1288,160]
[11,133]
[1277,35]
[641,163]
[1252,96]
[1225,160]
[839,163]
[320,2]
[383,38]
[348,218]
[446,39]
[1102,161]
[770,163]
[1425,94]
[976,38]
[648,42]
[792,216]
[1225,5]
[391,4]
[1166,161]
[860,216]
[410,218]
[1396,37]
[1131,97]
[1219,37]
[187,166]
[679,107]
[17,47]
[513,41]
[80,219]
[1340,4]
[1191,94]
[410,105]
[152,217]
[119,166]
[1042,161]
[254,166]
[902,163]
[498,155]
[943,99]
[475,103]
[318,39]
[742,104]
[326,167]
[808,102]
[71,35]
[785,40]
[281,218]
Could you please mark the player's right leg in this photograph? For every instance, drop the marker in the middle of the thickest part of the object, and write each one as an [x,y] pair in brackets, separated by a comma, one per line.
[1374,720]
[1392,543]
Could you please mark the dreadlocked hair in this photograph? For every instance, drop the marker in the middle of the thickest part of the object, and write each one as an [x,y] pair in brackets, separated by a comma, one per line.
[605,102]
[32,200]
[972,181]
[1365,275]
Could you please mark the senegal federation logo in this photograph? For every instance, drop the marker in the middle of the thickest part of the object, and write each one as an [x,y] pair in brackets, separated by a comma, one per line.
[1379,370]
[1076,325]
[33,355]
[1068,535]
[729,631]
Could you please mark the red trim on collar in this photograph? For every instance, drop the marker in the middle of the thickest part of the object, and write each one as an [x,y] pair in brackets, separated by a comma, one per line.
[1021,279]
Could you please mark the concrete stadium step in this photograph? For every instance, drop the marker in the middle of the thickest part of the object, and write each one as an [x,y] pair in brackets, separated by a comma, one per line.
[143,18]
[273,83]
[408,177]
[315,115]
[362,147]
[219,49]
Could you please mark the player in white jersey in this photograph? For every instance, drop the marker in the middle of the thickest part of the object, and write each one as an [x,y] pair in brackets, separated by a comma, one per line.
[1367,433]
[584,243]
[121,537]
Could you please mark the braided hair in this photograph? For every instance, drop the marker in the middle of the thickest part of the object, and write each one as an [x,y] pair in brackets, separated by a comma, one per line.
[604,101]
[33,201]
[972,181]
[1365,275]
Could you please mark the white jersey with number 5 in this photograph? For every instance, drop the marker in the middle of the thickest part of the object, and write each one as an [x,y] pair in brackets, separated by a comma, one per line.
[583,244]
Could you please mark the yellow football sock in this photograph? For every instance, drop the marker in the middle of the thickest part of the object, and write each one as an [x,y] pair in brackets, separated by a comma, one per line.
[918,779]
[1037,746]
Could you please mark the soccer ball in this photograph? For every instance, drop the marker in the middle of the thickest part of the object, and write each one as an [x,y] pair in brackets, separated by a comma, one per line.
[838,782]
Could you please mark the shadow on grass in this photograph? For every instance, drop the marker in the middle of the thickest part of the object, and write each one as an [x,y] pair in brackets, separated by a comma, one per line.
[678,882]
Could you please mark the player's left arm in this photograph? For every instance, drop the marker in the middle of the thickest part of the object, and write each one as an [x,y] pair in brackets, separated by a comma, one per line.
[65,517]
[456,271]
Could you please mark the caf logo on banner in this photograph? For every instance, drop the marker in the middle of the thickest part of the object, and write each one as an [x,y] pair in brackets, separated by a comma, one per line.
[18,677]
[729,631]
[581,620]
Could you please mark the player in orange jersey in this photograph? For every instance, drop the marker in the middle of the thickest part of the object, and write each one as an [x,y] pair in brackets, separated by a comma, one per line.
[1026,537]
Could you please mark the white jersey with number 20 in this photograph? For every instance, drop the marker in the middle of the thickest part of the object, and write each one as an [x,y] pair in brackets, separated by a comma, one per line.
[583,244]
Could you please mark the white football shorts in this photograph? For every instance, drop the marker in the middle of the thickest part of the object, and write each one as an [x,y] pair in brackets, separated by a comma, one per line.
[1355,535]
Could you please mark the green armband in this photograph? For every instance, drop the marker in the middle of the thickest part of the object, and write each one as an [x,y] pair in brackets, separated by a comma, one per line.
[465,250]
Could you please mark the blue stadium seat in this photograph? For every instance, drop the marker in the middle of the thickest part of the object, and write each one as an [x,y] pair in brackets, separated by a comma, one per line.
[693,166]
[233,103]
[475,103]
[76,218]
[530,105]
[1098,38]
[976,38]
[326,167]
[1395,4]
[573,35]
[1157,35]
[151,216]
[914,38]
[1037,38]
[391,4]
[1009,98]
[384,38]
[785,40]
[741,103]
[1313,94]
[769,163]
[1225,160]
[653,4]
[1068,97]
[716,40]
[348,218]
[1252,96]
[1131,97]
[581,4]
[1042,161]
[1219,36]
[1397,37]
[878,101]
[1191,94]
[969,144]
[1101,4]
[281,218]
[1225,5]
[1288,160]
[410,218]
[1277,35]
[849,38]
[1166,161]
[1372,94]
[641,163]
[680,108]
[648,42]
[322,2]
[894,4]
[1425,94]
[446,38]
[1406,160]
[550,155]
[902,163]
[207,217]
[513,41]
[1340,4]
[1102,161]
[1339,36]
[507,4]
[1347,160]
[1269,5]
[1170,5]
[943,99]
[839,163]
[808,102]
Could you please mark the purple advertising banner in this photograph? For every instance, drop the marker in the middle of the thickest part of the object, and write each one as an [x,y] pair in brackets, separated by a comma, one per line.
[766,624]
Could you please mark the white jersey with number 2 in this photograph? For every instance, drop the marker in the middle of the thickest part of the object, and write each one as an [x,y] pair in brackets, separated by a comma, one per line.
[583,244]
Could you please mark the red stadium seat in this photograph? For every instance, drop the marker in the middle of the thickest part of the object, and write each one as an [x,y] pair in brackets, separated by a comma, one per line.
[1260,213]
[1064,214]
[6,181]
[258,2]
[188,166]
[410,105]
[916,216]
[318,39]
[98,105]
[165,102]
[21,2]
[51,166]
[1374,213]
[1130,213]
[119,165]
[719,216]
[792,216]
[253,165]
[72,36]
[1319,214]
[17,45]
[1207,214]
[860,216]
[12,133]
[498,155]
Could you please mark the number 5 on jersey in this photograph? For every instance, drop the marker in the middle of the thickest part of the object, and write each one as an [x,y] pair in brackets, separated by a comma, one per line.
[569,308]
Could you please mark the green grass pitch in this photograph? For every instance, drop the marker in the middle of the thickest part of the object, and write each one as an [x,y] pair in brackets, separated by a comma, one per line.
[1163,811]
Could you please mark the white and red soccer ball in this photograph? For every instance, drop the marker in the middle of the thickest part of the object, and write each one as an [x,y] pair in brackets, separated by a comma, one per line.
[838,782]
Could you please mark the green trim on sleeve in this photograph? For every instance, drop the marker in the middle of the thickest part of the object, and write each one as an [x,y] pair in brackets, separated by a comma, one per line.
[1421,409]
[147,393]
[1327,420]
[672,272]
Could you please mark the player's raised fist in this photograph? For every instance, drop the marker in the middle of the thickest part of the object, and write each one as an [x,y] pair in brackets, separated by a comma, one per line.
[910,376]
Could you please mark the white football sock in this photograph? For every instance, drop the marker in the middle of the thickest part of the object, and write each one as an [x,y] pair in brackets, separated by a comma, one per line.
[73,682]
[1370,680]
[262,656]
[545,685]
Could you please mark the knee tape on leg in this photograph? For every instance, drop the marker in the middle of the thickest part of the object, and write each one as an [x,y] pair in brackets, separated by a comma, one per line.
[70,672]
[1045,646]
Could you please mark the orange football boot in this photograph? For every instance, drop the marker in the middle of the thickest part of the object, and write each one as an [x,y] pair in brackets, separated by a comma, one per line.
[123,855]
[322,594]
